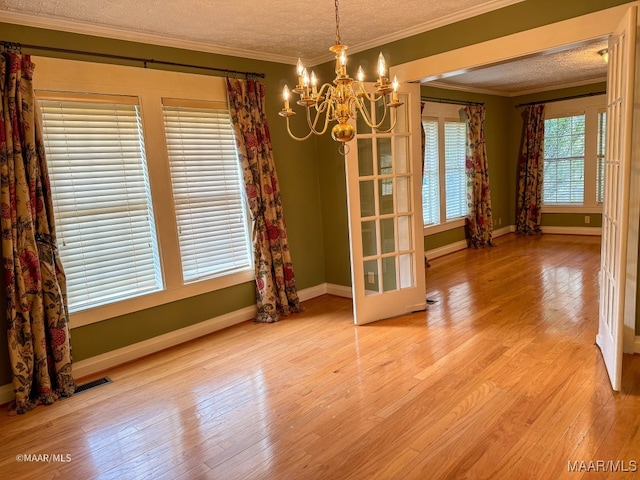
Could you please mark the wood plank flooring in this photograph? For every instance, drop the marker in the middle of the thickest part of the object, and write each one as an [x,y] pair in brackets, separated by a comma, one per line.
[499,379]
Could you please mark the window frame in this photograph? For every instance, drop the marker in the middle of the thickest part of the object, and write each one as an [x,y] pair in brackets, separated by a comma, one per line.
[442,112]
[149,86]
[589,107]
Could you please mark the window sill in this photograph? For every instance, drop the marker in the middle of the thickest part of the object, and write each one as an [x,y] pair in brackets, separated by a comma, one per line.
[443,227]
[154,299]
[595,209]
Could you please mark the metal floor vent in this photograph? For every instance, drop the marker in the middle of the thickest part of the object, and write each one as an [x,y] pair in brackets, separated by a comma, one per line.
[92,384]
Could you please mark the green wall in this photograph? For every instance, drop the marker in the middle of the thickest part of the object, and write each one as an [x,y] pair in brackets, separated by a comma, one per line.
[311,173]
[297,172]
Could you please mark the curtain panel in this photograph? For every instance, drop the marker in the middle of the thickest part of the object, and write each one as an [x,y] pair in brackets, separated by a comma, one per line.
[276,292]
[479,222]
[530,172]
[37,315]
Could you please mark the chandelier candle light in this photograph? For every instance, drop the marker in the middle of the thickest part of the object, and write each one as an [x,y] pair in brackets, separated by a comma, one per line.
[342,100]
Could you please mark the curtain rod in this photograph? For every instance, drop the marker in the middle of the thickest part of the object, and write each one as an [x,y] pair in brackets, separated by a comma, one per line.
[559,99]
[18,47]
[449,100]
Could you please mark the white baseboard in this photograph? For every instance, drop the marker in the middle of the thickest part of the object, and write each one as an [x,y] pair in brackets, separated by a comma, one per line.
[312,292]
[338,290]
[504,231]
[122,355]
[462,244]
[446,249]
[137,350]
[572,230]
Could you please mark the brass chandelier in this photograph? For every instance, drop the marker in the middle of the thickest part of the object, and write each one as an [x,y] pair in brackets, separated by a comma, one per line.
[342,100]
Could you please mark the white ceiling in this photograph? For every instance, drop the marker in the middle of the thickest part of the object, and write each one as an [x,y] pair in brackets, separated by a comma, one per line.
[283,30]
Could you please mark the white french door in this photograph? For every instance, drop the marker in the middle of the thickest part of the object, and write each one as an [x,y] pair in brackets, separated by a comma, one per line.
[384,181]
[615,215]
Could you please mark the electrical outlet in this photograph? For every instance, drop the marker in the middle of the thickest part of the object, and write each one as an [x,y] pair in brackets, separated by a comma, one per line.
[587,219]
[370,277]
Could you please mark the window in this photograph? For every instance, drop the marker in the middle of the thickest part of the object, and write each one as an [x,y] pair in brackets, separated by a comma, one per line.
[455,141]
[574,150]
[444,195]
[207,190]
[101,198]
[147,188]
[564,140]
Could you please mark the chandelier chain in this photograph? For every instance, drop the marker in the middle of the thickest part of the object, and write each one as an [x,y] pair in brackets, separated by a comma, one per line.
[337,24]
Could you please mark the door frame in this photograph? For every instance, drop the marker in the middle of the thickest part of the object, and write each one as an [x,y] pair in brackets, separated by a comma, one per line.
[537,41]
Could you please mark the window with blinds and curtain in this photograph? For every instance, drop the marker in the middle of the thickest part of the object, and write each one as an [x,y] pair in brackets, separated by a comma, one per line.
[207,189]
[101,198]
[574,155]
[104,203]
[444,196]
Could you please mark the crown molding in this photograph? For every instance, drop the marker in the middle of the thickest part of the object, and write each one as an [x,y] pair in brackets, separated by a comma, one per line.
[466,88]
[485,7]
[83,28]
[549,88]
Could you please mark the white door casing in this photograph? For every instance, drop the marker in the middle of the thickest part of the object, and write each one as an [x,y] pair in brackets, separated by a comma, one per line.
[615,214]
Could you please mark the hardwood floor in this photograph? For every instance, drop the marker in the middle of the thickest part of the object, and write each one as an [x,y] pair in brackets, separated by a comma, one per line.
[499,379]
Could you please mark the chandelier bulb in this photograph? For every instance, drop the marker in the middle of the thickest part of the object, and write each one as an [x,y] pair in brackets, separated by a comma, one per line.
[299,67]
[360,74]
[382,67]
[285,94]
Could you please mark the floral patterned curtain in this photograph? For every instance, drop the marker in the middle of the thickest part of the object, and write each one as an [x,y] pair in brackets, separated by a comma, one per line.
[479,221]
[531,165]
[37,316]
[276,292]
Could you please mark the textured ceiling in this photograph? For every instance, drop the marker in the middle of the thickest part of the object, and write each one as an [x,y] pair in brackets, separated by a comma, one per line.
[282,30]
[573,65]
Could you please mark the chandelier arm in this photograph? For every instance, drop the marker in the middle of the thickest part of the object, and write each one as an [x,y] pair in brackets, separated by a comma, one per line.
[367,116]
[300,139]
[323,93]
[372,97]
[393,124]
[312,125]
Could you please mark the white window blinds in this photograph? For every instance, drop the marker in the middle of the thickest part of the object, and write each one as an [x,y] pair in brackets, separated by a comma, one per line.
[207,190]
[602,135]
[444,184]
[430,181]
[564,150]
[102,203]
[455,143]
